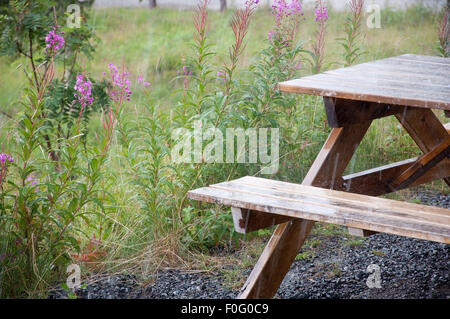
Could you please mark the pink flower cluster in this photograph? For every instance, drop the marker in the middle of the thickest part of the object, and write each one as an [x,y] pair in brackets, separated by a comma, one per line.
[30,181]
[84,88]
[121,84]
[4,158]
[282,9]
[222,76]
[140,80]
[54,41]
[321,13]
[250,3]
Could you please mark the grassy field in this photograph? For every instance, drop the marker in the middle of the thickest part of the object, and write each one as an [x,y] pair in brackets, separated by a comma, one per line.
[153,43]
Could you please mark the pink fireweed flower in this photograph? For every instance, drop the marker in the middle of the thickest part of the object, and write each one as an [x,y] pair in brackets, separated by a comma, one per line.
[321,12]
[84,91]
[121,84]
[54,41]
[140,80]
[318,46]
[186,73]
[281,9]
[250,3]
[222,76]
[32,182]
[5,158]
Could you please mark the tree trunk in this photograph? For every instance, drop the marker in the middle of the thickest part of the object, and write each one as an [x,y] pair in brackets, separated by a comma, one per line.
[152,4]
[223,5]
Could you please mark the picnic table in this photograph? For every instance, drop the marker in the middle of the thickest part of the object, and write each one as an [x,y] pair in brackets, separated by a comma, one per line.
[408,87]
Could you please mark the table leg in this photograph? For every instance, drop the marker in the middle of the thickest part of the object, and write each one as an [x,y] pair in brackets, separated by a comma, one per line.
[288,238]
[424,128]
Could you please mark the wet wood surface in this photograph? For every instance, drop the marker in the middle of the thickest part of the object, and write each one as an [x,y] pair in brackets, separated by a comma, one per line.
[336,207]
[412,80]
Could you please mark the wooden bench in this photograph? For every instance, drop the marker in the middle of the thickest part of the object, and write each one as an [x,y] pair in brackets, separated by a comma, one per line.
[259,203]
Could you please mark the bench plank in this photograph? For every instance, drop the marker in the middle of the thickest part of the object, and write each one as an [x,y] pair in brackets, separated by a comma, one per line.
[336,207]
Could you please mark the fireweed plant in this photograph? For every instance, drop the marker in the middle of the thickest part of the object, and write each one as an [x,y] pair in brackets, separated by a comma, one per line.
[318,46]
[216,97]
[46,195]
[443,47]
[352,29]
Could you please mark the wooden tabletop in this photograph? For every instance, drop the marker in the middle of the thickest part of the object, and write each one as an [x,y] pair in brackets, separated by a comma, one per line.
[409,80]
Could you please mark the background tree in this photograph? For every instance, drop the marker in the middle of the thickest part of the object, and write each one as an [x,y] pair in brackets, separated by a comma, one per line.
[223,5]
[152,3]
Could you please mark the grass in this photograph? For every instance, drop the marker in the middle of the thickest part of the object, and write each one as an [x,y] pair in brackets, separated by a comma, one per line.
[153,43]
[355,242]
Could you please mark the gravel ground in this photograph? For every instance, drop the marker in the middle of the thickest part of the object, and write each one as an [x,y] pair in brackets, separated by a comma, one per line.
[335,268]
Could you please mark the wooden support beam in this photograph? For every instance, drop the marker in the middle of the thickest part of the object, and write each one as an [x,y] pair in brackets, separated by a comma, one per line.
[425,129]
[376,181]
[422,165]
[341,112]
[423,126]
[247,221]
[336,153]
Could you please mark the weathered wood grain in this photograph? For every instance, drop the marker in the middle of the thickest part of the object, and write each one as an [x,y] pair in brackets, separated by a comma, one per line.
[411,80]
[424,58]
[389,216]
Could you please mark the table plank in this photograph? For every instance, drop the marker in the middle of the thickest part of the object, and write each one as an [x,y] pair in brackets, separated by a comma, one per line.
[424,58]
[411,80]
[426,67]
[399,74]
[368,82]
